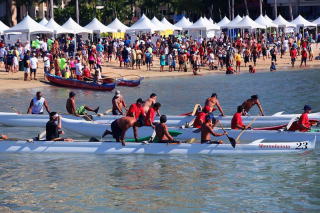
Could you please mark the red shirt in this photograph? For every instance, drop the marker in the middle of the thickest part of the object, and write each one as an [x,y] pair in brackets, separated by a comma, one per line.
[304,54]
[199,120]
[134,111]
[86,73]
[303,120]
[236,121]
[151,114]
[293,53]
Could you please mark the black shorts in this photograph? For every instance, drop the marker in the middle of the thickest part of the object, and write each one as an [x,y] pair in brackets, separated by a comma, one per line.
[293,60]
[303,59]
[116,112]
[33,70]
[209,142]
[116,130]
[91,62]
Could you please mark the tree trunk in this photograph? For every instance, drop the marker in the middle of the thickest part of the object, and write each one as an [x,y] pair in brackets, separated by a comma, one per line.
[246,6]
[275,9]
[77,10]
[232,9]
[290,10]
[260,4]
[229,9]
[51,9]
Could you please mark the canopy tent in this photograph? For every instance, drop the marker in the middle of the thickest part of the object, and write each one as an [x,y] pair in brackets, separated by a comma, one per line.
[302,22]
[265,22]
[97,27]
[57,29]
[75,27]
[234,23]
[3,27]
[210,19]
[223,22]
[117,25]
[267,18]
[202,28]
[183,23]
[317,21]
[28,25]
[248,23]
[281,22]
[202,24]
[158,24]
[143,25]
[43,22]
[169,26]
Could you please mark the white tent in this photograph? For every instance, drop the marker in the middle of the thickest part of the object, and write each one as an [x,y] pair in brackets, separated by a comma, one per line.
[223,22]
[268,18]
[28,25]
[234,23]
[43,22]
[3,27]
[169,26]
[317,21]
[265,22]
[143,25]
[57,29]
[97,27]
[117,25]
[248,23]
[75,27]
[210,19]
[202,24]
[183,23]
[158,24]
[281,22]
[302,22]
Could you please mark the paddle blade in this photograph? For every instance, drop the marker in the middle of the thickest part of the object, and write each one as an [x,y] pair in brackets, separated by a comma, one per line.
[232,141]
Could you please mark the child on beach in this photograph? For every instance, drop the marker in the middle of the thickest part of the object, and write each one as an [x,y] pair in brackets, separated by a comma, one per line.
[252,69]
[273,66]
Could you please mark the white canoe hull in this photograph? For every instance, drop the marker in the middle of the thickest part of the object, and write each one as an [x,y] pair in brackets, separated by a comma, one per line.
[92,129]
[154,148]
[28,120]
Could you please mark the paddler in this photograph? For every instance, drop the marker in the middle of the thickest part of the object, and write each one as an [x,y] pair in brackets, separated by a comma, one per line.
[149,102]
[151,114]
[120,126]
[118,104]
[162,132]
[54,128]
[236,122]
[303,124]
[37,104]
[3,137]
[207,130]
[136,110]
[82,110]
[200,118]
[212,102]
[248,104]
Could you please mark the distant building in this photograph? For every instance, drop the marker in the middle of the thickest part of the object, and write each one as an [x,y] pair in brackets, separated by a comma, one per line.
[310,9]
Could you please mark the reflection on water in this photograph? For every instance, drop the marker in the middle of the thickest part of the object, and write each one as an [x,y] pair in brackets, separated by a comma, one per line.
[146,183]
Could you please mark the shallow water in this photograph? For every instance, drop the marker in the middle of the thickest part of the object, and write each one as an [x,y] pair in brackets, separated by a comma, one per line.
[149,183]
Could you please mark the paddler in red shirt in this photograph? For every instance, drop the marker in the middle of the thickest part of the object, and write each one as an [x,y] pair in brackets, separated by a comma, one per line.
[201,117]
[151,114]
[135,110]
[248,104]
[212,102]
[236,122]
[303,124]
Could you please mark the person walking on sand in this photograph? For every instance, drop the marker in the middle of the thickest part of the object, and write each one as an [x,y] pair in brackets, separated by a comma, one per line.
[33,66]
[304,56]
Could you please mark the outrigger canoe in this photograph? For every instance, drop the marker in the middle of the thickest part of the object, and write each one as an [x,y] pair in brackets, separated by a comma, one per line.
[74,83]
[29,120]
[123,81]
[256,147]
[94,129]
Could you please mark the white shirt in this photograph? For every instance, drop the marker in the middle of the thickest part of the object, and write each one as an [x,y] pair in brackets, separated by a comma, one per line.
[78,69]
[46,61]
[44,46]
[33,63]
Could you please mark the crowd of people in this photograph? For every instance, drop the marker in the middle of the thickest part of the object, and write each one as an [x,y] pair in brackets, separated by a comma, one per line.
[173,53]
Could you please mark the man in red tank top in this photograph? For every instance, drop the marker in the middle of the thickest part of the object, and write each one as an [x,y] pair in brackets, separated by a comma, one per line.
[303,124]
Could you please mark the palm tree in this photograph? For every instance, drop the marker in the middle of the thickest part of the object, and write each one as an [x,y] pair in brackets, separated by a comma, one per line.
[260,4]
[246,6]
[275,9]
[290,10]
[232,9]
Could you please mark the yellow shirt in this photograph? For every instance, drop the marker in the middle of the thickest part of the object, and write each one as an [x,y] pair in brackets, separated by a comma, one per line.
[67,74]
[238,57]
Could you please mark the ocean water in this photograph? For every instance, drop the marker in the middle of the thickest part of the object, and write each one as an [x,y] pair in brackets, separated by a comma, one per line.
[151,183]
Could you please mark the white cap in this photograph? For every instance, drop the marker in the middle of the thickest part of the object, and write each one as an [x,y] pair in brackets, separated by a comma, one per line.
[117,93]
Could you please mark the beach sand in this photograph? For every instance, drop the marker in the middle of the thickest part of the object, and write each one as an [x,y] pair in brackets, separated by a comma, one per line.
[112,69]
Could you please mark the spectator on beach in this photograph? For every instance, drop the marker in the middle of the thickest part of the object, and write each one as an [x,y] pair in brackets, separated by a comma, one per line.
[304,56]
[33,66]
[273,66]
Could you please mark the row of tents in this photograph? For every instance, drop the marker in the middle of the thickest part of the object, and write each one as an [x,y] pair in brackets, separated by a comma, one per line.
[145,25]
